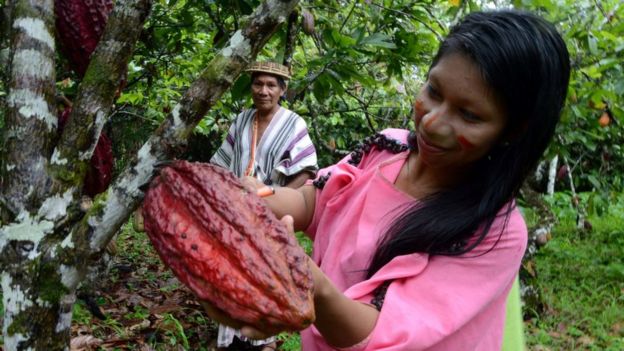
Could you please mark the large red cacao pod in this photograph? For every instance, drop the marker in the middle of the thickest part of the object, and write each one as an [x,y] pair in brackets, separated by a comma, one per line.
[227,246]
[80,24]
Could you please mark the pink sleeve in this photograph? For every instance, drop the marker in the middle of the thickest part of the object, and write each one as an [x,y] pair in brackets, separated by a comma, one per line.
[343,173]
[453,303]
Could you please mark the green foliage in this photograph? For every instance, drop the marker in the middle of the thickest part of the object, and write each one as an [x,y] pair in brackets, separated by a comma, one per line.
[305,242]
[594,35]
[581,276]
[176,336]
[290,341]
[359,72]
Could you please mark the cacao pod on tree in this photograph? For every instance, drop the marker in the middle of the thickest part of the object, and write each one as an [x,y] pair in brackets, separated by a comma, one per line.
[562,172]
[80,24]
[604,119]
[226,245]
[100,170]
[308,22]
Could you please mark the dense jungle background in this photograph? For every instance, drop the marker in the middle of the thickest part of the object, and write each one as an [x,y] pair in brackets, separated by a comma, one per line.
[357,66]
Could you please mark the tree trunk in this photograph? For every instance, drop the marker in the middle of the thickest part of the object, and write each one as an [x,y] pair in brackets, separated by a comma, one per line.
[30,115]
[46,239]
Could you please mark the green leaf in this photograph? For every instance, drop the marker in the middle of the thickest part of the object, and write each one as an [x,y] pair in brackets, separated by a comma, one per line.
[340,39]
[336,81]
[592,179]
[352,72]
[240,89]
[321,88]
[378,40]
[592,44]
[616,271]
[132,98]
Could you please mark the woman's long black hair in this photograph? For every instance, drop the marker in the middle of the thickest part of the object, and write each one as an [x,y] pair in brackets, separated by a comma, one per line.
[525,62]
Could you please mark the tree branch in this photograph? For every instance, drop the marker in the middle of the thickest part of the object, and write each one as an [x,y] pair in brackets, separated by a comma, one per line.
[347,18]
[291,35]
[365,106]
[408,15]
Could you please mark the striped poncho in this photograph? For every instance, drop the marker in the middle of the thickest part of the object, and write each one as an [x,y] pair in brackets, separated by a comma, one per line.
[285,148]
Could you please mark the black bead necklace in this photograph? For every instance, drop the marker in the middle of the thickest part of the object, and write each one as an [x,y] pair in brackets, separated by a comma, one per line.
[378,141]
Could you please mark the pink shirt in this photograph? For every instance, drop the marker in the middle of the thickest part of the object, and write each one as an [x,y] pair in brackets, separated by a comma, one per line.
[433,303]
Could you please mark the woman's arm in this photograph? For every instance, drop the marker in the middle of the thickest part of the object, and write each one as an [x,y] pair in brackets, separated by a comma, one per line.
[298,203]
[298,180]
[342,321]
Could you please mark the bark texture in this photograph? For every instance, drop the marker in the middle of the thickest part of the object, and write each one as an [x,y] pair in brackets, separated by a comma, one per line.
[46,240]
[30,113]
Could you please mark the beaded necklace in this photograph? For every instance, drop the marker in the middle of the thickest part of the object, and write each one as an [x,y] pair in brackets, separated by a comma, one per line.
[379,141]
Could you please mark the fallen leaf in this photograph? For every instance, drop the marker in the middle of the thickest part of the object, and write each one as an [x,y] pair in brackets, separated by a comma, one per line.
[84,342]
[162,309]
[166,325]
[617,328]
[140,326]
[585,340]
[555,334]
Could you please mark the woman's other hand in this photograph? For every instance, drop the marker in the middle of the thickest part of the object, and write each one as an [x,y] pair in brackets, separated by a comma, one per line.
[251,183]
[218,315]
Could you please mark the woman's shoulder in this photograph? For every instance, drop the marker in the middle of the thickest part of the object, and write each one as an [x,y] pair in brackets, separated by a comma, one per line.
[514,218]
[508,231]
[400,135]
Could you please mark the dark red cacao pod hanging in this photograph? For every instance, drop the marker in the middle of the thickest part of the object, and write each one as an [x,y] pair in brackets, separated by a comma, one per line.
[227,246]
[79,26]
[100,170]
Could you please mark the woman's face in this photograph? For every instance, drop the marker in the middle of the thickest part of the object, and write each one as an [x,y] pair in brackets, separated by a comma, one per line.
[458,119]
[266,92]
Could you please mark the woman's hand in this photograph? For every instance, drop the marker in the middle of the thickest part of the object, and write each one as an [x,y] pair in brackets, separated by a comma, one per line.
[219,316]
[251,183]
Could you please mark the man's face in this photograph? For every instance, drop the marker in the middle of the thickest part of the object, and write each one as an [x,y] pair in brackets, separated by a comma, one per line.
[266,92]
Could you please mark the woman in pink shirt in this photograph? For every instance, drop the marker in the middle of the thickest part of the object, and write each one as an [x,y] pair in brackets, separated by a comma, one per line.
[417,238]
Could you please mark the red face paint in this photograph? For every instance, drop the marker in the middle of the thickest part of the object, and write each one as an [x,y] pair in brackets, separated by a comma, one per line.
[464,142]
[418,107]
[419,111]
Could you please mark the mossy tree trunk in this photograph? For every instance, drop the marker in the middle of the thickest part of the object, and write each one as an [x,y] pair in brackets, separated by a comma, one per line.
[47,239]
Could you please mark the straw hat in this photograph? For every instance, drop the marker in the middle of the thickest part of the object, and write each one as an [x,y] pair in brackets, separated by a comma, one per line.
[271,68]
